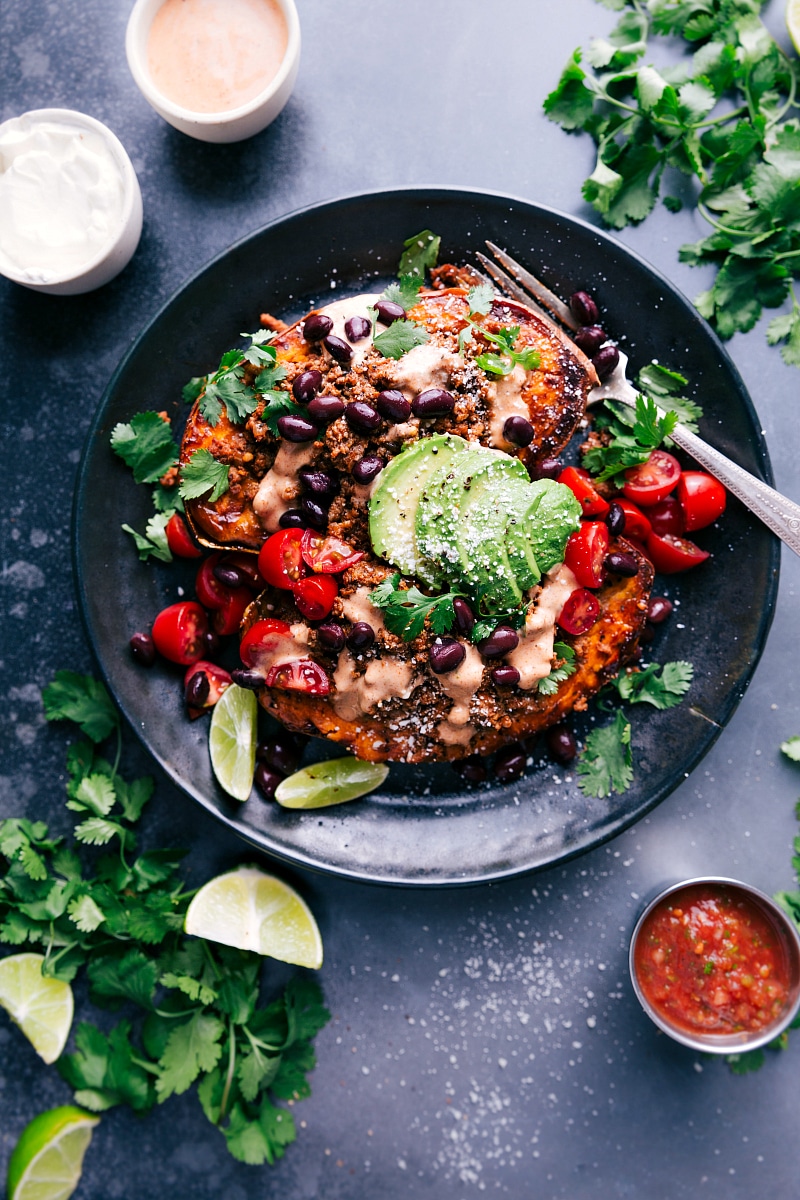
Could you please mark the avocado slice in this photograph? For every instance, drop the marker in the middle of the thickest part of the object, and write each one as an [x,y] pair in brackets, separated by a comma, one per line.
[485,566]
[553,515]
[438,509]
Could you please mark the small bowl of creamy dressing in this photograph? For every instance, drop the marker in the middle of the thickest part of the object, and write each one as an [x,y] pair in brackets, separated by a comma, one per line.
[70,203]
[217,70]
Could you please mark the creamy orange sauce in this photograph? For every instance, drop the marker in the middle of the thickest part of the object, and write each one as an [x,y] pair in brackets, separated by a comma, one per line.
[213,56]
[341,311]
[359,607]
[506,400]
[461,685]
[280,487]
[533,655]
[291,647]
[384,679]
[422,367]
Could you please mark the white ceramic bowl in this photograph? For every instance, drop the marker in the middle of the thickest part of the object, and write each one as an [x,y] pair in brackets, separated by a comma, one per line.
[234,125]
[116,231]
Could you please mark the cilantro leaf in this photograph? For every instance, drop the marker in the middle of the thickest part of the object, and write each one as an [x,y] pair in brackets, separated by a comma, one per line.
[192,1047]
[154,541]
[147,446]
[420,253]
[86,914]
[405,611]
[632,449]
[605,764]
[105,1071]
[566,655]
[79,698]
[405,292]
[279,404]
[480,299]
[131,976]
[202,474]
[399,338]
[791,748]
[647,686]
[503,364]
[192,390]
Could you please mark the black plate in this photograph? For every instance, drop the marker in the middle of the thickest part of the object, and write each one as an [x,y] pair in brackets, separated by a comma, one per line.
[422,829]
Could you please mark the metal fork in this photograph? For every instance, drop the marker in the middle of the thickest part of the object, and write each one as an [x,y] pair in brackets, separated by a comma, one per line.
[778,513]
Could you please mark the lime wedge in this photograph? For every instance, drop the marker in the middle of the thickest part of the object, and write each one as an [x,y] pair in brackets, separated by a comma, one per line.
[793,22]
[232,740]
[47,1159]
[330,782]
[42,1007]
[254,911]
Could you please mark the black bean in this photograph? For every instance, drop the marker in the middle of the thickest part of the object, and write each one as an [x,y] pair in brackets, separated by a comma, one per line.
[509,763]
[445,655]
[357,328]
[471,769]
[247,679]
[280,752]
[197,689]
[659,609]
[561,744]
[502,641]
[620,563]
[367,468]
[362,417]
[229,575]
[605,361]
[465,618]
[615,519]
[590,339]
[338,348]
[296,429]
[434,402]
[143,649]
[394,406]
[518,431]
[317,326]
[361,636]
[319,483]
[584,308]
[267,780]
[505,675]
[388,311]
[548,468]
[331,634]
[293,518]
[306,385]
[316,514]
[325,409]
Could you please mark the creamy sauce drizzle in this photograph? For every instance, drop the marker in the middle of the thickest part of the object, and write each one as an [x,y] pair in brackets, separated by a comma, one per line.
[422,367]
[506,400]
[340,311]
[280,486]
[533,655]
[291,647]
[461,685]
[213,56]
[359,607]
[384,679]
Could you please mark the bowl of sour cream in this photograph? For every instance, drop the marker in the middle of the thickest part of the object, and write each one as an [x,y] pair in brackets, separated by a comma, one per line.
[70,204]
[217,70]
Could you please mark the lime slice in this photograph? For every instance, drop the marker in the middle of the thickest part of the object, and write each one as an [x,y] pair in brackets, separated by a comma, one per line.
[254,911]
[232,740]
[42,1007]
[793,22]
[330,782]
[47,1159]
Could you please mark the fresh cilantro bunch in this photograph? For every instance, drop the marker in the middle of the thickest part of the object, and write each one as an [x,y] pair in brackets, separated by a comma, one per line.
[722,117]
[197,1016]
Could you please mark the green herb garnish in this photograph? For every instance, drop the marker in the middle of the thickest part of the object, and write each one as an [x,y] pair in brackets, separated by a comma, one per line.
[635,436]
[605,764]
[648,686]
[504,363]
[146,444]
[420,254]
[405,612]
[399,338]
[202,474]
[153,543]
[549,685]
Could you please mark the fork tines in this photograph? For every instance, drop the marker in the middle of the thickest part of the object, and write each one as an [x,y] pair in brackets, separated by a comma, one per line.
[529,282]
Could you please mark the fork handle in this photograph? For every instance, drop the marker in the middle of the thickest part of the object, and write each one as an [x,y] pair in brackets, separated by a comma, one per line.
[777,512]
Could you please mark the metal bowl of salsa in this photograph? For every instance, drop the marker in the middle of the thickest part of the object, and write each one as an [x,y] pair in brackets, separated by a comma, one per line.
[715,963]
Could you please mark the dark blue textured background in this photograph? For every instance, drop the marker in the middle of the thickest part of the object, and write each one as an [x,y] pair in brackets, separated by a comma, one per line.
[484,1040]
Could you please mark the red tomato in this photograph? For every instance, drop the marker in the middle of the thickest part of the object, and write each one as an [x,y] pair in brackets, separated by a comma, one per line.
[328,555]
[702,498]
[653,480]
[637,526]
[210,592]
[314,596]
[666,516]
[302,675]
[670,554]
[586,550]
[280,560]
[580,612]
[179,632]
[179,540]
[228,618]
[261,639]
[580,484]
[218,681]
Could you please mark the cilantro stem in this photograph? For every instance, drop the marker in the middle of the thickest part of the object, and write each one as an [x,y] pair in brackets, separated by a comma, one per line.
[256,1043]
[151,1068]
[170,1016]
[211,959]
[223,1104]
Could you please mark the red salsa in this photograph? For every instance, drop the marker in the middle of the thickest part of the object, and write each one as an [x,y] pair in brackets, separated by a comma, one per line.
[710,960]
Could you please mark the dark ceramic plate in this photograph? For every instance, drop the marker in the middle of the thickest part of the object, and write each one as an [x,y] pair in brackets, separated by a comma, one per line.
[423,828]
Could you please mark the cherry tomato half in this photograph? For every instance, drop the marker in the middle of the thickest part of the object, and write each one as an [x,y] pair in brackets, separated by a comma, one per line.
[314,596]
[328,555]
[228,618]
[302,675]
[261,640]
[210,592]
[280,560]
[580,484]
[637,526]
[702,498]
[218,681]
[580,612]
[670,554]
[653,480]
[666,516]
[586,550]
[179,632]
[180,540]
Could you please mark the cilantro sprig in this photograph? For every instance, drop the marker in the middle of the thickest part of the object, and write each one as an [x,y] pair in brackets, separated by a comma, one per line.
[194,1016]
[722,117]
[233,387]
[405,611]
[635,434]
[504,362]
[567,666]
